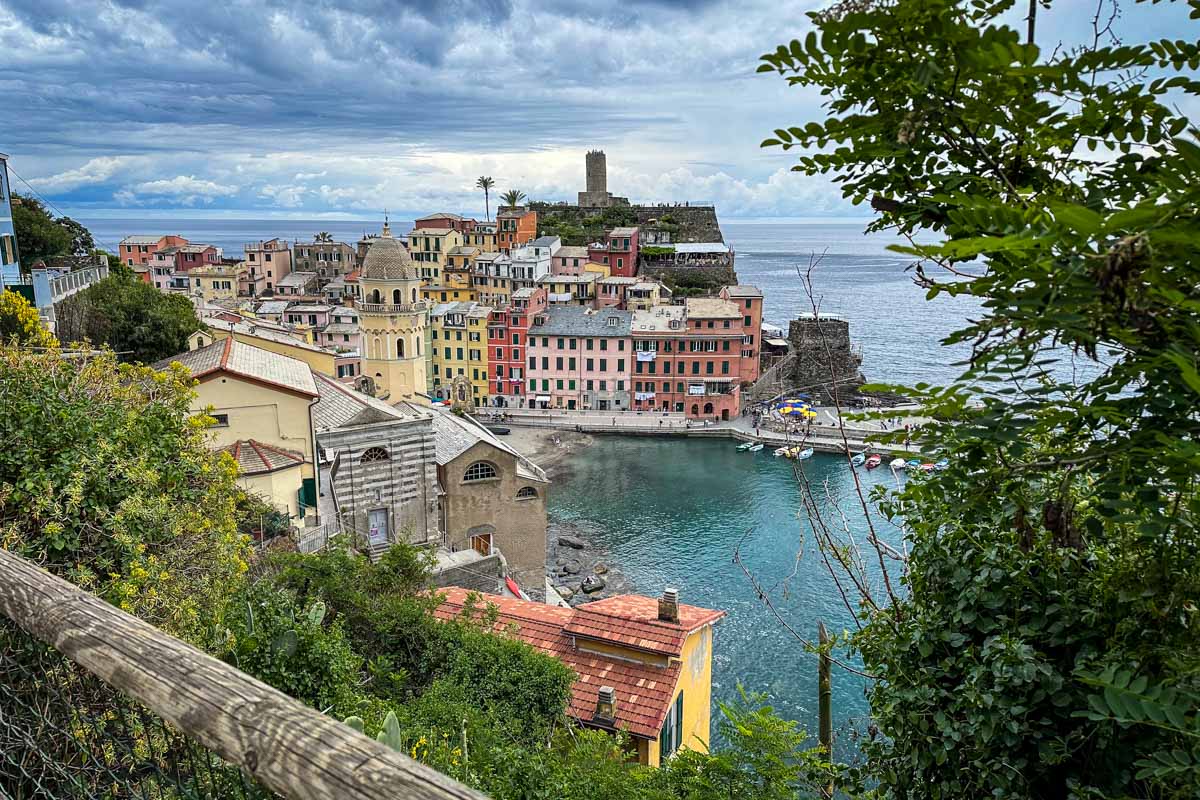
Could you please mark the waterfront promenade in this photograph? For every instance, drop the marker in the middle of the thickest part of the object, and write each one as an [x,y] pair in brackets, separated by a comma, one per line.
[823,435]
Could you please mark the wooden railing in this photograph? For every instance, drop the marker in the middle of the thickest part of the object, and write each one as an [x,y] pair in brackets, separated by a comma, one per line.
[285,746]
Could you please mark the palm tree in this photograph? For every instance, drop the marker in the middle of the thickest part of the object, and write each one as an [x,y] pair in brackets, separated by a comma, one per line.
[513,197]
[486,183]
[323,236]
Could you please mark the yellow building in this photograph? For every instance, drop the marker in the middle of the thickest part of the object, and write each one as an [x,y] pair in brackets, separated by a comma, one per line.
[392,317]
[215,281]
[266,337]
[430,248]
[438,293]
[458,266]
[491,276]
[644,664]
[458,347]
[260,401]
[482,237]
[578,290]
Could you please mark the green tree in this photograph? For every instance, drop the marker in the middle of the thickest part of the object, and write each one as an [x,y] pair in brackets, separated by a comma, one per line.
[107,479]
[1060,189]
[81,238]
[136,320]
[39,234]
[512,197]
[323,236]
[20,323]
[486,183]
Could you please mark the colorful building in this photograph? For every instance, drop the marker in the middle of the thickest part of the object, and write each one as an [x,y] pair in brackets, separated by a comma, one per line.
[515,225]
[749,300]
[618,251]
[491,275]
[392,317]
[273,258]
[444,219]
[691,358]
[10,265]
[328,260]
[429,248]
[211,282]
[458,348]
[436,293]
[580,358]
[643,665]
[482,237]
[137,250]
[508,338]
[568,260]
[578,290]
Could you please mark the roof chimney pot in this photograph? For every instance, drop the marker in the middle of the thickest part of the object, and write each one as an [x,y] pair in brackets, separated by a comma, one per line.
[606,704]
[668,605]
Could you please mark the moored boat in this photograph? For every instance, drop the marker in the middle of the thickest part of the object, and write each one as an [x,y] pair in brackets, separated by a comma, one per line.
[927,466]
[941,464]
[857,459]
[805,453]
[745,446]
[898,464]
[914,463]
[783,451]
[873,460]
[755,448]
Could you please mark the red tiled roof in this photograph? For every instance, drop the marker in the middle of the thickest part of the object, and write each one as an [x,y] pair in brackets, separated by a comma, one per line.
[256,458]
[643,691]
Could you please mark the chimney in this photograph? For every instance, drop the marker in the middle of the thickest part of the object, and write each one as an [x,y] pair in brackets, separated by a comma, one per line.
[606,704]
[668,605]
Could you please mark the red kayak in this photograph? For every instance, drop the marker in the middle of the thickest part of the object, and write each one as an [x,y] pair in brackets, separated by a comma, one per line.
[512,586]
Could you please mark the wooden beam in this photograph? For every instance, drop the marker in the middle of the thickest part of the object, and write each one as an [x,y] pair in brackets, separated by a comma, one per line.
[288,747]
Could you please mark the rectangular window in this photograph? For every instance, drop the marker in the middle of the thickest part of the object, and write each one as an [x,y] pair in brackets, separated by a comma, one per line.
[589,343]
[748,322]
[604,365]
[558,362]
[671,735]
[571,363]
[545,362]
[222,420]
[558,383]
[695,367]
[620,386]
[533,362]
[637,386]
[458,351]
[571,385]
[724,367]
[572,343]
[516,338]
[666,368]
[545,385]
[590,385]
[559,344]
[708,368]
[604,344]
[603,386]
[588,364]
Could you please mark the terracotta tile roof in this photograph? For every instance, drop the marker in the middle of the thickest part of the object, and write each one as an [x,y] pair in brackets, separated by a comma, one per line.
[257,458]
[643,691]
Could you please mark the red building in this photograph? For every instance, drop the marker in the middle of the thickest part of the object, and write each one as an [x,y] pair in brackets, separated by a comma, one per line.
[444,219]
[619,251]
[137,250]
[508,333]
[696,357]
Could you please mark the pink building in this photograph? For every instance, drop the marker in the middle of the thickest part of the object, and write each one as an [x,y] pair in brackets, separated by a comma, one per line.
[619,251]
[137,250]
[580,358]
[568,260]
[267,263]
[508,340]
[168,266]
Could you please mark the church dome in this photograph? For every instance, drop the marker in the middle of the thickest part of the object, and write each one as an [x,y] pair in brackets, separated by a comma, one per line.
[387,259]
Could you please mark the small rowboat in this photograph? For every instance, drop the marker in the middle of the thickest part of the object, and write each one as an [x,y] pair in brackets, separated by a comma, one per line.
[857,459]
[898,463]
[873,461]
[805,453]
[914,463]
[755,448]
[784,451]
[927,466]
[745,446]
[941,465]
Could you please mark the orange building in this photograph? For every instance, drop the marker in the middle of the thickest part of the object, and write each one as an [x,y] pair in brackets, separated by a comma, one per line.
[515,225]
[643,665]
[137,250]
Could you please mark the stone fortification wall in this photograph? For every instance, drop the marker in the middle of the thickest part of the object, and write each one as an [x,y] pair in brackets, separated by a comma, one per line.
[823,356]
[689,276]
[684,223]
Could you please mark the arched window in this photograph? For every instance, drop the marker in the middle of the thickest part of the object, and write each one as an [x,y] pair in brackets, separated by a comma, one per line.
[375,297]
[479,471]
[374,454]
[414,296]
[397,297]
[708,408]
[400,348]
[526,493]
[695,410]
[377,352]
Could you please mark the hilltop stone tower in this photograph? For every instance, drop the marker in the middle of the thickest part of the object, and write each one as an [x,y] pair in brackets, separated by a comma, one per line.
[596,174]
[392,317]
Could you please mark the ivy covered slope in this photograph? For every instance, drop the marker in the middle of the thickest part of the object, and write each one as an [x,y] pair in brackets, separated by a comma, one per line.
[1049,641]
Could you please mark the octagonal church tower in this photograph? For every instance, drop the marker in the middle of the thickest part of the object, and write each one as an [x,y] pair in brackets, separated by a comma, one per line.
[392,317]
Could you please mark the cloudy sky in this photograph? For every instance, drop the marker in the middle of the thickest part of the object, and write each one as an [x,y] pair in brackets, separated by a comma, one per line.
[311,107]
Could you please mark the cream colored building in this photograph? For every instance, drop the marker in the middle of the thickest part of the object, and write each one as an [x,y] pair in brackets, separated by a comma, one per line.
[431,248]
[266,337]
[212,282]
[261,400]
[392,317]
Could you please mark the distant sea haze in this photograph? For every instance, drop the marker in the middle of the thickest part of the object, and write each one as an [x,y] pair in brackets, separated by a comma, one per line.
[858,278]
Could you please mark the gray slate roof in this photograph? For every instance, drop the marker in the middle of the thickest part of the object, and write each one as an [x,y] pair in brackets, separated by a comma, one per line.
[454,435]
[578,321]
[340,406]
[230,355]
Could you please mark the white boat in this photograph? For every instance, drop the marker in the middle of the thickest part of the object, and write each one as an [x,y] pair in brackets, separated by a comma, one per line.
[805,453]
[783,451]
[898,464]
[755,448]
[745,446]
[858,458]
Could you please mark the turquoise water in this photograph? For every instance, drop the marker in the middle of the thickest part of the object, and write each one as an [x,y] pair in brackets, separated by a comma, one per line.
[672,512]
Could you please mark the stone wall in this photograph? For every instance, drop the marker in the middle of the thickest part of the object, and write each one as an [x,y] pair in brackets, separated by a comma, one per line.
[687,276]
[478,574]
[823,356]
[686,223]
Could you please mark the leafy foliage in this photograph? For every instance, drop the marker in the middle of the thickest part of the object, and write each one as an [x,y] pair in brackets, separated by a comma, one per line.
[1060,189]
[20,324]
[40,234]
[512,197]
[106,479]
[577,228]
[136,320]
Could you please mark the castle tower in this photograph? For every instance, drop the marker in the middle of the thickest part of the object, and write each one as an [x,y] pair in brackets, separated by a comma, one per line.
[597,172]
[392,316]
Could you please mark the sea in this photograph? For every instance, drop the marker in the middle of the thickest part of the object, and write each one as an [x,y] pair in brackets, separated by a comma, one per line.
[727,528]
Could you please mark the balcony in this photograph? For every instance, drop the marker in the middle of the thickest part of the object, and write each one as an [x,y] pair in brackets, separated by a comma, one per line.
[393,308]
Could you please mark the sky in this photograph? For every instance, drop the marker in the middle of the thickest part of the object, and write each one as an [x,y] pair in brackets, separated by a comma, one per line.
[310,108]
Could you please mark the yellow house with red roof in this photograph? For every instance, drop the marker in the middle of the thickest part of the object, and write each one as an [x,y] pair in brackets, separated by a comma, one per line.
[643,665]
